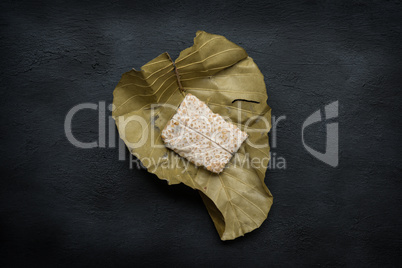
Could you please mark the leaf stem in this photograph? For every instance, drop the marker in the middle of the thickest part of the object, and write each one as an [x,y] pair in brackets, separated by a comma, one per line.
[182,90]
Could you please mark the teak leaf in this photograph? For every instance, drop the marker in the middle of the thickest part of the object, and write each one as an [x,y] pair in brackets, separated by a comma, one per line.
[221,74]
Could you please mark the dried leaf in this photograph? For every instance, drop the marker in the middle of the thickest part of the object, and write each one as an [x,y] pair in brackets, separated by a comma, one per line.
[221,74]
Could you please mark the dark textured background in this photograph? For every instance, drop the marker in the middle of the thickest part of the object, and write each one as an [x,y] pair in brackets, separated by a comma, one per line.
[63,205]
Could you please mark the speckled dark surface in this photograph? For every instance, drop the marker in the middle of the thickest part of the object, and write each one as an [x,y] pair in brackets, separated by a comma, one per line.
[63,205]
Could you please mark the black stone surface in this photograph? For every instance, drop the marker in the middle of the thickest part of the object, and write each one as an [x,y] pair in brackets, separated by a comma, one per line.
[61,205]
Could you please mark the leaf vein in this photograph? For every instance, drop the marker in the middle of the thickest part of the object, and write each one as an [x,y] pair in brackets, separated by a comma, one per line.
[248,215]
[230,201]
[251,202]
[219,90]
[195,51]
[139,95]
[211,56]
[227,75]
[149,85]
